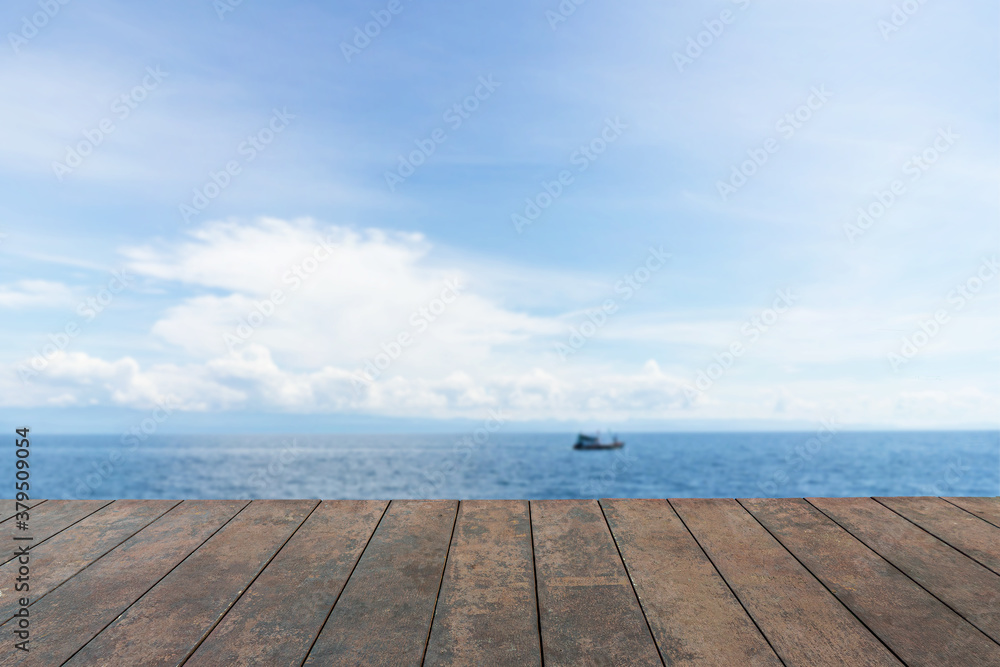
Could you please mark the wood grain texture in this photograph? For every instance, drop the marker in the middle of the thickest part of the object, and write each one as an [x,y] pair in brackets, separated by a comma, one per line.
[896,609]
[960,582]
[688,605]
[975,537]
[68,552]
[293,596]
[384,614]
[804,623]
[9,507]
[167,623]
[589,611]
[987,509]
[696,582]
[487,612]
[48,519]
[68,617]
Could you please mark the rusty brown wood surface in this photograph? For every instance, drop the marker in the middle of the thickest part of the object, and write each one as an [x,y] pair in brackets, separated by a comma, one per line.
[688,605]
[951,576]
[62,556]
[486,611]
[167,623]
[71,615]
[805,624]
[9,507]
[678,582]
[293,596]
[588,610]
[889,603]
[48,519]
[384,614]
[987,509]
[973,536]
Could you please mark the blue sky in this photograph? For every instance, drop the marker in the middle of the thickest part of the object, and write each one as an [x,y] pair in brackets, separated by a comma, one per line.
[627,126]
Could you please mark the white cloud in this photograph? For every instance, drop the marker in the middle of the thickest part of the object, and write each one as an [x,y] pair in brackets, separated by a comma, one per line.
[330,299]
[336,297]
[34,293]
[250,380]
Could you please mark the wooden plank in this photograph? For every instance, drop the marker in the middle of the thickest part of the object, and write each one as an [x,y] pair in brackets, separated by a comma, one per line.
[48,519]
[293,596]
[486,612]
[897,610]
[804,623]
[8,508]
[60,557]
[971,535]
[694,616]
[68,617]
[951,576]
[987,509]
[169,621]
[384,614]
[589,612]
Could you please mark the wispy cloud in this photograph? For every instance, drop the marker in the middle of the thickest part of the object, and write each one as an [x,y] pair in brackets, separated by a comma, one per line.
[35,294]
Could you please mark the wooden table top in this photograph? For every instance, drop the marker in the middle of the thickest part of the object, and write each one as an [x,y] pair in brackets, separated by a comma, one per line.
[728,582]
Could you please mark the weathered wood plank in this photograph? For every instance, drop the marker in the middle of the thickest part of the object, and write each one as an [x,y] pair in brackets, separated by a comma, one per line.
[8,508]
[66,553]
[896,609]
[960,582]
[804,623]
[288,603]
[68,617]
[48,519]
[970,534]
[694,616]
[487,612]
[384,614]
[169,621]
[987,509]
[136,582]
[589,612]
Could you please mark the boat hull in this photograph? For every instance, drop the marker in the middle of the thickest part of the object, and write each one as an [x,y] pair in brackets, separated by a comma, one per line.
[613,445]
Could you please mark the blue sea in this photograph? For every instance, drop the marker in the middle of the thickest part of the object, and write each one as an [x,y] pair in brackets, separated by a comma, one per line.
[651,465]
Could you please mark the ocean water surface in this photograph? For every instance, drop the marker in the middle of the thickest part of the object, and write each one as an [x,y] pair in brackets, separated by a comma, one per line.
[534,466]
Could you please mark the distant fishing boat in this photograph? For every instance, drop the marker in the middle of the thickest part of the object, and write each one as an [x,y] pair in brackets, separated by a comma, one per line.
[594,442]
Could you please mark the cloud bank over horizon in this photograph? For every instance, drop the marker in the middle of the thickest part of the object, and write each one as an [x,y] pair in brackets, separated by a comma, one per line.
[301,317]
